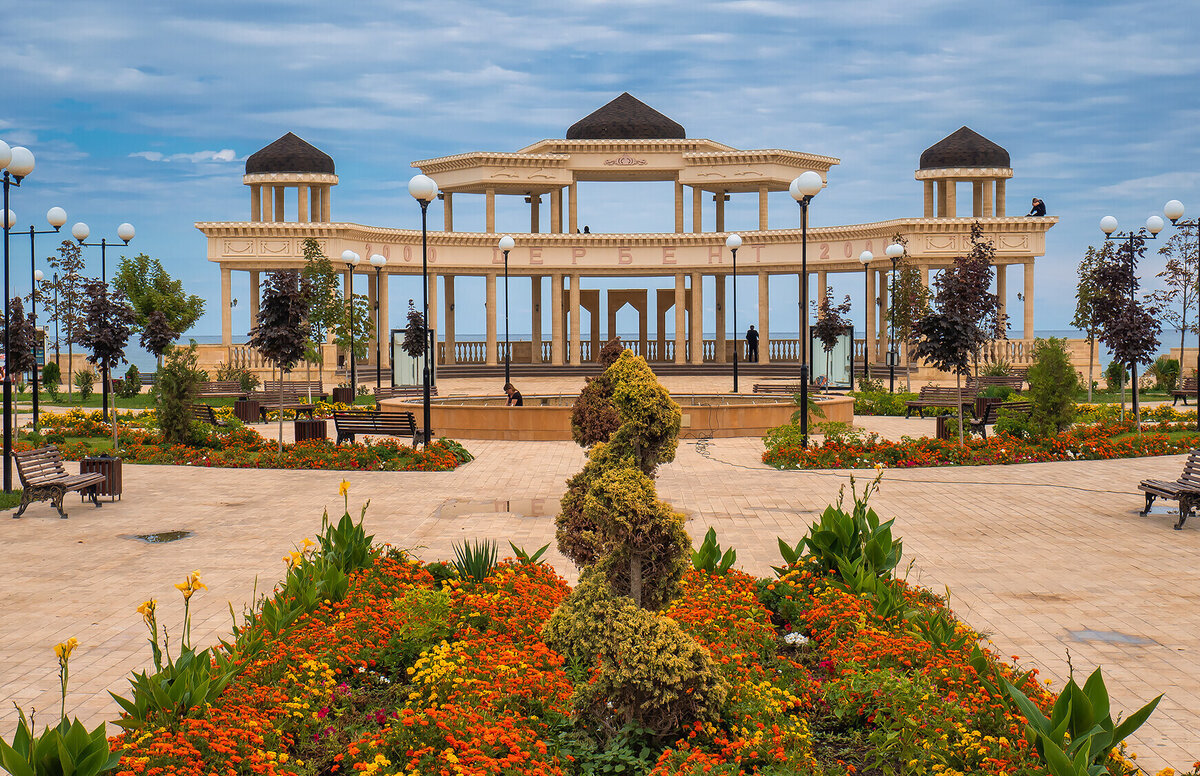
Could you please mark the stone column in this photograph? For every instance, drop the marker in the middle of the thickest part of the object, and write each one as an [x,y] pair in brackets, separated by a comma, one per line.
[372,298]
[680,317]
[226,312]
[347,285]
[535,298]
[764,318]
[719,345]
[450,318]
[280,215]
[572,210]
[719,199]
[1002,288]
[941,198]
[256,202]
[987,207]
[576,343]
[929,208]
[535,213]
[302,204]
[255,297]
[1000,204]
[490,211]
[1027,304]
[951,199]
[325,217]
[697,210]
[557,346]
[678,207]
[977,198]
[870,350]
[490,315]
[556,211]
[448,211]
[696,318]
[268,209]
[883,308]
[762,208]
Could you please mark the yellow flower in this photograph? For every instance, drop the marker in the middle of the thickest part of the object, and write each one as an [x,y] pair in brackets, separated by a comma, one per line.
[191,585]
[65,649]
[344,488]
[146,609]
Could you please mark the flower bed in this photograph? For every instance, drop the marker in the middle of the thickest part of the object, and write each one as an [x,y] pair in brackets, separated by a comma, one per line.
[240,447]
[1084,442]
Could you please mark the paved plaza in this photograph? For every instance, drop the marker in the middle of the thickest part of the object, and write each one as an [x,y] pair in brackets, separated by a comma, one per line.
[1047,558]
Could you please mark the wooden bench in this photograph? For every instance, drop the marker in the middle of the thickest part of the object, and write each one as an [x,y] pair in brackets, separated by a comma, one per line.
[992,413]
[43,477]
[215,389]
[1188,388]
[880,371]
[1185,490]
[937,396]
[205,414]
[976,384]
[295,390]
[350,424]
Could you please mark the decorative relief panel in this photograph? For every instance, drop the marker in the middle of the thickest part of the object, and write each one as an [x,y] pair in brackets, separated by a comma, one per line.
[940,242]
[234,247]
[1015,241]
[275,247]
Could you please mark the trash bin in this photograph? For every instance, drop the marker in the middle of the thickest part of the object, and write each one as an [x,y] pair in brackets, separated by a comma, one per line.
[343,395]
[246,410]
[944,425]
[110,467]
[310,429]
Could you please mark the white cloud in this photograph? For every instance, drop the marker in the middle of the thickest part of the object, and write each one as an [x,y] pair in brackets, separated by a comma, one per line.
[224,155]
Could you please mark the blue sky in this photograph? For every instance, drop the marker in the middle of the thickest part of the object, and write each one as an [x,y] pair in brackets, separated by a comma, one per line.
[145,112]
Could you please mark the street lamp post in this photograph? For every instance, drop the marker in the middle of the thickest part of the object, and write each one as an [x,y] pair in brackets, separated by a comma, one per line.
[80,232]
[733,242]
[1153,226]
[803,188]
[378,262]
[1174,211]
[866,257]
[506,245]
[17,162]
[423,189]
[57,354]
[894,252]
[352,259]
[56,217]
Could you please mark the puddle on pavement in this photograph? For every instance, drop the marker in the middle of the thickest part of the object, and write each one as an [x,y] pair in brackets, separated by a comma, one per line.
[522,507]
[162,537]
[1109,637]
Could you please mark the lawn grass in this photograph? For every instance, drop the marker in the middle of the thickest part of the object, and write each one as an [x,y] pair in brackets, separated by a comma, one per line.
[10,500]
[1172,435]
[1114,397]
[141,401]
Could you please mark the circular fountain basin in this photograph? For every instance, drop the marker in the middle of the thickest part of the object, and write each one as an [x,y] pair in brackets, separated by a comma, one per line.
[548,417]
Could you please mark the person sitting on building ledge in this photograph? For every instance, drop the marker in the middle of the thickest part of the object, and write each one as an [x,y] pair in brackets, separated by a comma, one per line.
[1038,209]
[514,396]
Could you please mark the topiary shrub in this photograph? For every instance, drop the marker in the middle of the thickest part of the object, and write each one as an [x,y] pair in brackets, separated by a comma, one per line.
[131,385]
[650,419]
[594,417]
[174,392]
[1053,382]
[1116,375]
[52,378]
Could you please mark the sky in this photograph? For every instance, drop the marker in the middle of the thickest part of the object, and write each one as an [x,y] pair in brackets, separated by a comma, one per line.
[145,112]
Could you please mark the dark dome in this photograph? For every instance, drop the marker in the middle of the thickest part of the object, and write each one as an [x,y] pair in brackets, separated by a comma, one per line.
[289,154]
[626,118]
[964,148]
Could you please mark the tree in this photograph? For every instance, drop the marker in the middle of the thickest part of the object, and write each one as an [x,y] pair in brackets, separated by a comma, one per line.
[157,335]
[831,323]
[1180,276]
[66,307]
[149,288]
[281,334]
[964,292]
[107,324]
[1087,298]
[174,392]
[911,297]
[319,287]
[1052,385]
[354,318]
[947,342]
[22,339]
[414,332]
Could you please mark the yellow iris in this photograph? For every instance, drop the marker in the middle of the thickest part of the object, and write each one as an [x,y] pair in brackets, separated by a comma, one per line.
[191,585]
[344,488]
[64,650]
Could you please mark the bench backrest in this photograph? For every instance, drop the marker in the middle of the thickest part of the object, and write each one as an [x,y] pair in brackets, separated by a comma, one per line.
[293,390]
[992,413]
[44,463]
[941,392]
[976,384]
[404,422]
[1191,469]
[204,413]
[1188,384]
[219,386]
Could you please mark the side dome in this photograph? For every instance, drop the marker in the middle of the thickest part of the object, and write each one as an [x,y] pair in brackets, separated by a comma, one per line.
[964,148]
[626,118]
[290,154]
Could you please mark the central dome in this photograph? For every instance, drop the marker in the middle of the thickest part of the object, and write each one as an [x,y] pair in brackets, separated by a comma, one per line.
[289,154]
[626,118]
[964,148]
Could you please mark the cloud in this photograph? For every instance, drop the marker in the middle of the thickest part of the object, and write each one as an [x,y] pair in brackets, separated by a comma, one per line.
[224,155]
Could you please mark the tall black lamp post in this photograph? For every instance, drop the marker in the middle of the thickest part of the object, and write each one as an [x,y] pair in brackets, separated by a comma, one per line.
[865,258]
[56,217]
[1153,226]
[506,245]
[894,252]
[1174,211]
[17,162]
[378,262]
[424,189]
[352,259]
[80,232]
[733,242]
[804,187]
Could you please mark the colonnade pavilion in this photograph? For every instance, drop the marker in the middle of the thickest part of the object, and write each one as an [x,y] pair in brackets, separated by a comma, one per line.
[290,184]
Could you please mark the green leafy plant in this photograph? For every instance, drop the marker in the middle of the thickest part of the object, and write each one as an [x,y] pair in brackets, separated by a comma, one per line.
[1001,392]
[709,557]
[130,385]
[1116,375]
[792,556]
[996,369]
[1052,385]
[1166,373]
[84,380]
[182,689]
[460,453]
[475,559]
[523,555]
[842,540]
[52,379]
[1080,734]
[174,391]
[247,380]
[814,409]
[67,748]
[1014,424]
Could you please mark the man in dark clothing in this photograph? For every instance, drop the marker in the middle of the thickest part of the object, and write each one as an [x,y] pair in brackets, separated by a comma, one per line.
[514,396]
[1038,209]
[752,345]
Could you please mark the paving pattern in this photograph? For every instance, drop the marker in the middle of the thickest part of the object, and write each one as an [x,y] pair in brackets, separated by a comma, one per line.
[1045,557]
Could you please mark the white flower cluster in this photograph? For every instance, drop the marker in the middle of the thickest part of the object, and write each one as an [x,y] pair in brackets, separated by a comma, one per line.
[795,639]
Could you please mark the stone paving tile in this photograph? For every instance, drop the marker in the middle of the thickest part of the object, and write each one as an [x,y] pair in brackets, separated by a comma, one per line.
[1030,552]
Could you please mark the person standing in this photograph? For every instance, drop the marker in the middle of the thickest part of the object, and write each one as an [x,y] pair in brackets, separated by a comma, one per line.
[752,345]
